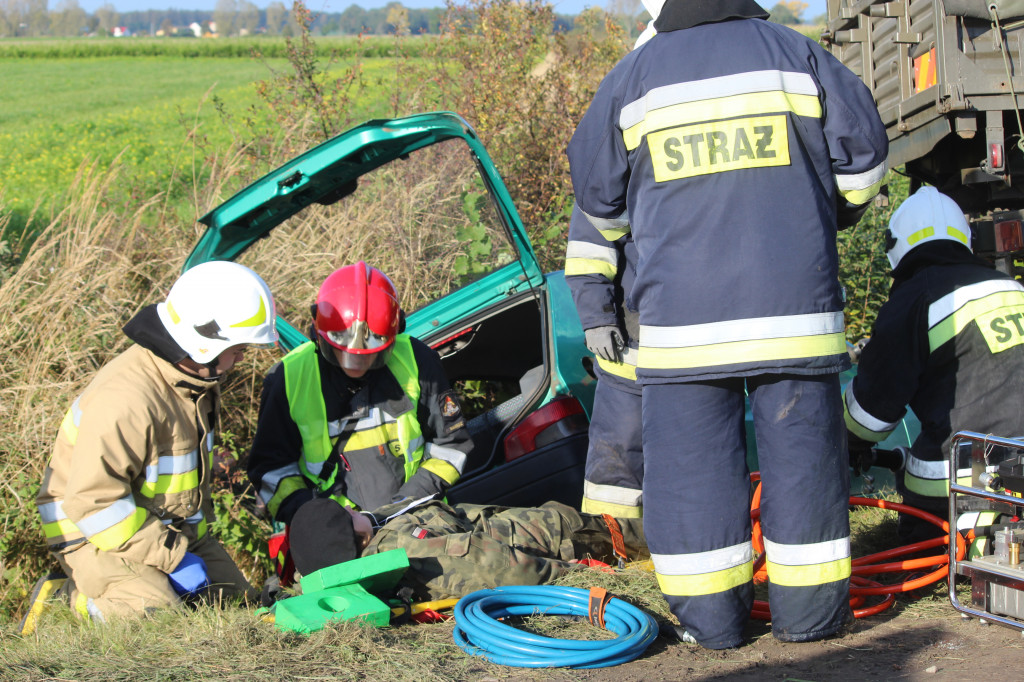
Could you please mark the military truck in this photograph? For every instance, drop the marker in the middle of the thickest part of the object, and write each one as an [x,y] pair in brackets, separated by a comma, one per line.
[948,79]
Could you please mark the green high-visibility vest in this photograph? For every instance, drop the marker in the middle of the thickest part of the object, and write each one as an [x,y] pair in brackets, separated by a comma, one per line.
[309,411]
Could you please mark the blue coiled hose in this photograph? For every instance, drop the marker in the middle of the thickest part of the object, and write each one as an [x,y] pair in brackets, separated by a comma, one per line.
[479,633]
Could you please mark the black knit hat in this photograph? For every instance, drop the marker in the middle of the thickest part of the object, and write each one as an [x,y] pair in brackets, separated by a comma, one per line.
[321,535]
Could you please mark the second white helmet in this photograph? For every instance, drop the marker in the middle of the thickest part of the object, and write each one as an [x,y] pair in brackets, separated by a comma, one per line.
[926,216]
[216,305]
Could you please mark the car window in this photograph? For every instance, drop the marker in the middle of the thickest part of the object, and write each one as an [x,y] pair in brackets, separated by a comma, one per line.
[427,221]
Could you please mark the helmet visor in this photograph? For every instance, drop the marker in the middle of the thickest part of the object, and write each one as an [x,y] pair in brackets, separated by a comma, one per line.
[358,338]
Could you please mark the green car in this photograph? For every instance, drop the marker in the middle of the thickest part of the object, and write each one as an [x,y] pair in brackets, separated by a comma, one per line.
[419,198]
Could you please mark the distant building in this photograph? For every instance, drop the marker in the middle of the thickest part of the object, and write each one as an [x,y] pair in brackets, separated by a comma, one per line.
[120,32]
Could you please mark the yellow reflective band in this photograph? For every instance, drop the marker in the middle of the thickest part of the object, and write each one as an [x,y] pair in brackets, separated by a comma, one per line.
[170,483]
[201,529]
[285,487]
[1001,328]
[734,106]
[706,583]
[443,469]
[619,511]
[619,369]
[64,528]
[120,532]
[614,233]
[809,574]
[689,151]
[81,606]
[957,235]
[735,352]
[861,196]
[931,487]
[372,438]
[256,320]
[67,426]
[172,313]
[921,234]
[588,266]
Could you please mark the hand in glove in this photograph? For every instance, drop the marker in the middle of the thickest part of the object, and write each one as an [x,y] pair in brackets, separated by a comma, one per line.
[190,576]
[605,342]
[862,456]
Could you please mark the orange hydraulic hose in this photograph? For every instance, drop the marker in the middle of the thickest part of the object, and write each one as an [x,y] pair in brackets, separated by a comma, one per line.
[861,586]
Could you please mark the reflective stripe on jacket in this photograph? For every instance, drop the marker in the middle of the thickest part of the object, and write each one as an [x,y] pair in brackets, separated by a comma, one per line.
[306,402]
[600,276]
[949,343]
[728,172]
[129,470]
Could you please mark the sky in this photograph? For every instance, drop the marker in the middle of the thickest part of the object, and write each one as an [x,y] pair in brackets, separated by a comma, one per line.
[814,7]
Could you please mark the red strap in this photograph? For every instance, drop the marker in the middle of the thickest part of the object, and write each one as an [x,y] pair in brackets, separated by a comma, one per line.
[618,544]
[599,598]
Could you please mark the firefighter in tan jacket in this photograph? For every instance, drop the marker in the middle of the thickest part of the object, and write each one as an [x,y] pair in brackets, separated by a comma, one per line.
[125,499]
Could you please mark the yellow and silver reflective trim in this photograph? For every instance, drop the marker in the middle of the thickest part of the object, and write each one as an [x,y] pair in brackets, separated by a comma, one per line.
[375,418]
[456,458]
[814,563]
[861,422]
[72,420]
[610,228]
[584,258]
[274,483]
[931,478]
[619,501]
[380,434]
[744,94]
[172,474]
[111,527]
[56,523]
[731,342]
[691,575]
[948,316]
[858,188]
[625,369]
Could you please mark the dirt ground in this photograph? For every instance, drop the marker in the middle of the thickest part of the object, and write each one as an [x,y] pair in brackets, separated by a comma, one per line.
[899,644]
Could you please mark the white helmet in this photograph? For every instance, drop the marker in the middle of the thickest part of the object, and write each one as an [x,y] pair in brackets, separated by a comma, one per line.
[216,305]
[926,216]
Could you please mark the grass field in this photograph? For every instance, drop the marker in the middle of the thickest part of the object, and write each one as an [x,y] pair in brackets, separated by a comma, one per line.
[152,112]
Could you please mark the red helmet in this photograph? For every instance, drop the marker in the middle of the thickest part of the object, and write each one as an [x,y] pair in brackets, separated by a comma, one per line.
[357,312]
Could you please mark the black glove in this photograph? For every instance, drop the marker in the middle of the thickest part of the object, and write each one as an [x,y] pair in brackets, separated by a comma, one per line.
[862,454]
[605,342]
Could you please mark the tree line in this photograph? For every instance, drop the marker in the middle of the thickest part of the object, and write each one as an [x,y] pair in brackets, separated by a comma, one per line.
[34,18]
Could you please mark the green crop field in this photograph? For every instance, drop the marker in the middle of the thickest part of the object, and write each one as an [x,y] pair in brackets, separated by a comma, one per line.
[151,112]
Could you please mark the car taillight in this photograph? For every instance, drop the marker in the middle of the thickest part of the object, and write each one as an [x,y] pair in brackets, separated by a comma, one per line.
[1008,236]
[560,418]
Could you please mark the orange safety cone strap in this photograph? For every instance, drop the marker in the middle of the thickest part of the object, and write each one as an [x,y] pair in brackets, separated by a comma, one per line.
[618,544]
[598,600]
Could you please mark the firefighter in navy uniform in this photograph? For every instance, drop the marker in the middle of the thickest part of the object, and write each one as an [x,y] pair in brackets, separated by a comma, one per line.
[949,342]
[600,274]
[732,149]
[362,414]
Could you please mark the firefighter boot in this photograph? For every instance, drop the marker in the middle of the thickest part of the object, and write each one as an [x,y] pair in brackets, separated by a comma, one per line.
[44,594]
